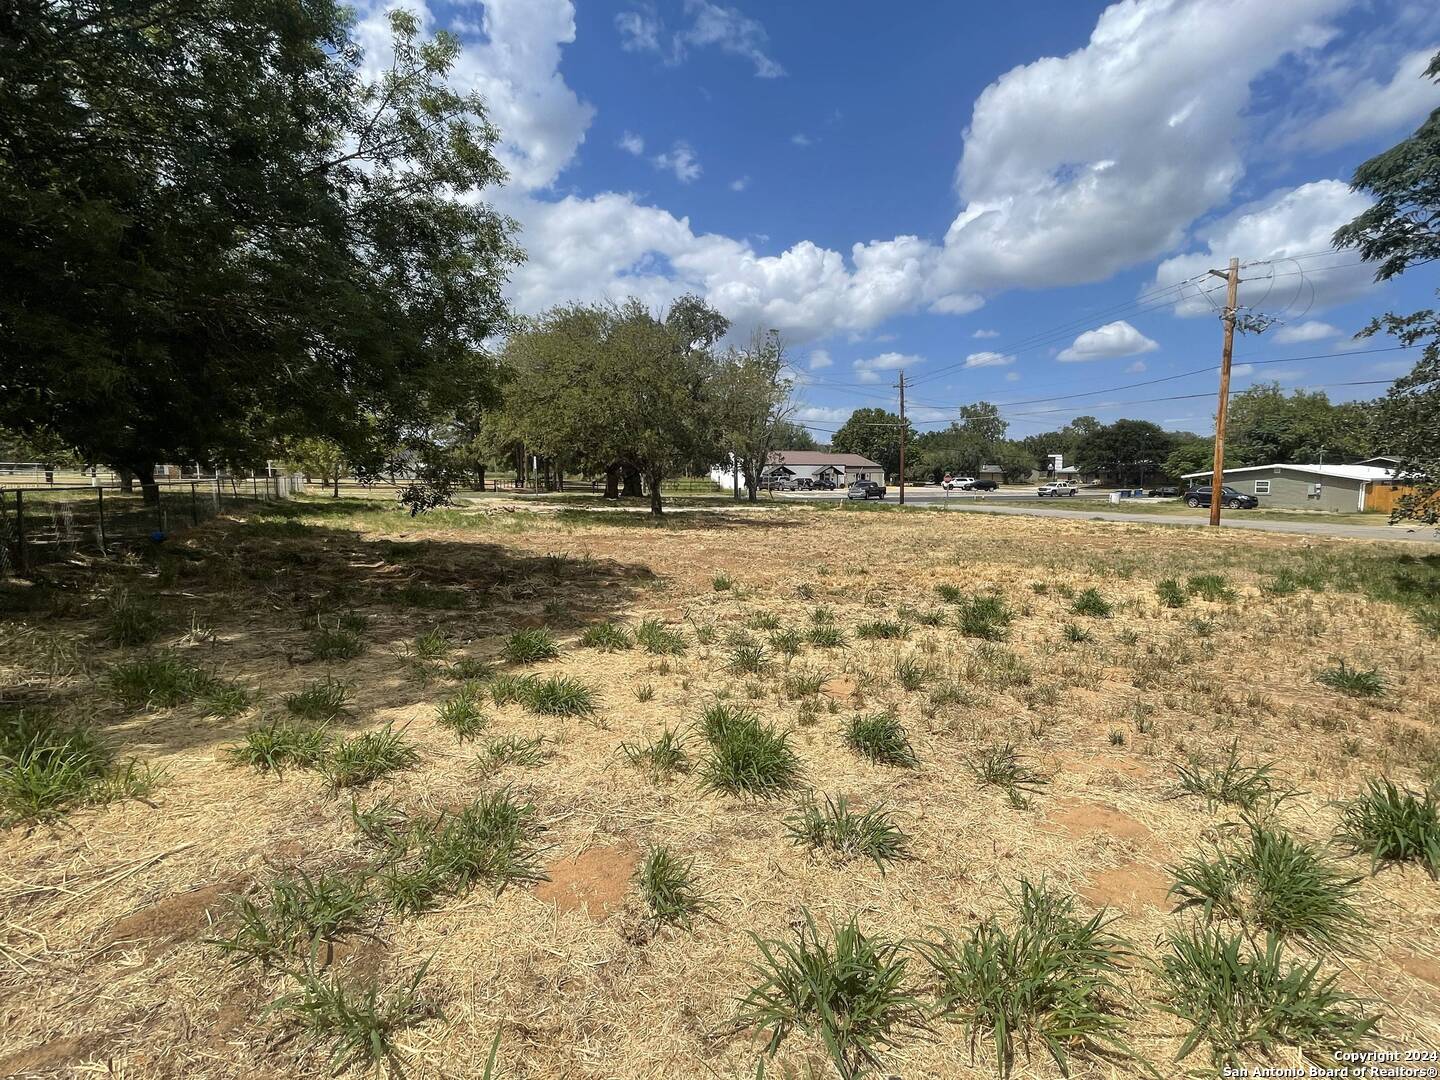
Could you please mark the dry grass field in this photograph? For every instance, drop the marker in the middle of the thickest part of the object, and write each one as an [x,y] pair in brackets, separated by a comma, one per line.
[574,795]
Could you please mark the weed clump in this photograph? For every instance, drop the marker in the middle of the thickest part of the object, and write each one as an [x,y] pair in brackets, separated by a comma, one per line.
[130,619]
[845,834]
[607,637]
[47,769]
[658,639]
[667,884]
[319,702]
[1354,682]
[461,712]
[281,744]
[367,756]
[661,758]
[1229,780]
[881,737]
[1393,825]
[1090,602]
[531,646]
[748,757]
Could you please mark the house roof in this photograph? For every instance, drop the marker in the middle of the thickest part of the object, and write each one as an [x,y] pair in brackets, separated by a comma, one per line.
[819,457]
[1343,472]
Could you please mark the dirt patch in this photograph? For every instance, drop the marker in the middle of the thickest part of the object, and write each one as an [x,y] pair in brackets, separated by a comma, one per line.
[1079,818]
[1422,967]
[842,687]
[181,917]
[55,1054]
[1132,887]
[594,881]
[361,957]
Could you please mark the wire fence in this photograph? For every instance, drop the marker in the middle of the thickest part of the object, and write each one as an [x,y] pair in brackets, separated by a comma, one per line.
[58,522]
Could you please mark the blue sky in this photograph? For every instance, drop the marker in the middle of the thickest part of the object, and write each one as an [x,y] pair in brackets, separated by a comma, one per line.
[1016,203]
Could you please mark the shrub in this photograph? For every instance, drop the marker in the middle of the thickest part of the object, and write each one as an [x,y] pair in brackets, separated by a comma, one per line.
[280,744]
[367,756]
[1090,602]
[882,738]
[1241,1001]
[656,638]
[747,756]
[667,884]
[1393,825]
[1353,681]
[607,637]
[1053,978]
[531,646]
[160,680]
[1171,593]
[847,835]
[846,986]
[662,758]
[1227,779]
[130,619]
[461,712]
[1275,883]
[319,702]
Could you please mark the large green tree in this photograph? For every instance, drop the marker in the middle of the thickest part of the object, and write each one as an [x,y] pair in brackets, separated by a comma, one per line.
[752,406]
[219,235]
[1128,450]
[875,434]
[1402,230]
[1266,424]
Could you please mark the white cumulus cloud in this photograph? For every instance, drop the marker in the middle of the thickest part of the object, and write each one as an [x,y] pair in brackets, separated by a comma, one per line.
[632,143]
[1107,342]
[820,358]
[1367,106]
[1306,331]
[680,159]
[868,370]
[988,359]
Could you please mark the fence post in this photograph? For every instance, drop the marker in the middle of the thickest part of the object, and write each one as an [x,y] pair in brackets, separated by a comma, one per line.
[100,528]
[194,505]
[20,560]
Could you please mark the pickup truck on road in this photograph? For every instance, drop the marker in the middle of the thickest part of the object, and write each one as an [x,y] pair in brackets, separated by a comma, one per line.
[1056,488]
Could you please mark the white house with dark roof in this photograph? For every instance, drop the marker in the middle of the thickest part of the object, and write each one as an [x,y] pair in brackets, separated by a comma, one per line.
[815,466]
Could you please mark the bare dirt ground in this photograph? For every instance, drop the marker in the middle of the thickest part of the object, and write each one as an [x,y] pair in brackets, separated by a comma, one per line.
[105,961]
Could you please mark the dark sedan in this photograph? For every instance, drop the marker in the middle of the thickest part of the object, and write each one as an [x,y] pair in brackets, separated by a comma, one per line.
[982,485]
[1229,498]
[1164,493]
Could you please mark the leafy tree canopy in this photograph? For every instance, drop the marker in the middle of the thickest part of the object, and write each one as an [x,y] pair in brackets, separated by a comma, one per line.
[875,434]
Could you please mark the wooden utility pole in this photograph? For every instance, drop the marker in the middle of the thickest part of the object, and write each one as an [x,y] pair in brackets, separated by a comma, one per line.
[1217,476]
[902,436]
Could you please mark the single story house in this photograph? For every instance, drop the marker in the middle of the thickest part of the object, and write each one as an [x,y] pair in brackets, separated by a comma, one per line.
[1291,486]
[812,465]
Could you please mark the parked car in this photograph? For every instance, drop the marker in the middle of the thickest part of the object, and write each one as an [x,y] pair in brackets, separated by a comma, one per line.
[957,483]
[824,483]
[865,489]
[1164,493]
[983,485]
[1229,498]
[1056,488]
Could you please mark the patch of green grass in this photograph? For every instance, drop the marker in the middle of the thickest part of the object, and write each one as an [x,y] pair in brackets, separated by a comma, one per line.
[559,695]
[658,639]
[1242,1002]
[845,834]
[225,700]
[667,884]
[1273,883]
[748,658]
[1055,979]
[1393,825]
[531,646]
[434,644]
[662,758]
[1090,602]
[1228,779]
[1209,587]
[913,672]
[462,713]
[786,642]
[645,692]
[747,757]
[846,986]
[763,620]
[340,640]
[47,769]
[951,594]
[802,682]
[986,616]
[607,637]
[1353,682]
[281,744]
[930,617]
[826,636]
[1075,633]
[130,619]
[358,1023]
[159,680]
[722,583]
[368,756]
[1002,765]
[1171,593]
[321,701]
[883,630]
[298,911]
[821,616]
[506,688]
[469,669]
[512,750]
[881,737]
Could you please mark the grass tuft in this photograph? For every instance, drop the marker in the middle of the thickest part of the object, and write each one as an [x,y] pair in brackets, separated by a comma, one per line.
[881,737]
[320,701]
[883,630]
[560,695]
[837,829]
[130,619]
[826,636]
[1090,602]
[748,757]
[1171,593]
[1229,780]
[368,756]
[1002,765]
[844,985]
[607,637]
[987,617]
[1354,682]
[47,769]
[461,712]
[512,750]
[281,744]
[160,680]
[662,758]
[357,1023]
[1393,825]
[658,639]
[340,640]
[1209,587]
[667,884]
[531,646]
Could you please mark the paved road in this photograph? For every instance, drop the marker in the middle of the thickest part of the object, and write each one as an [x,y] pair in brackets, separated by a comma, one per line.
[1307,528]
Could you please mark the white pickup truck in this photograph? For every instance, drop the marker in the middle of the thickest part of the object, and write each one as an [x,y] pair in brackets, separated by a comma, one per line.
[1056,488]
[957,483]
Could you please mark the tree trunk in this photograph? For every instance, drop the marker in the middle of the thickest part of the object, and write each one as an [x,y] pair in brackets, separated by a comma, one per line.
[127,481]
[632,488]
[335,491]
[612,483]
[655,507]
[148,487]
